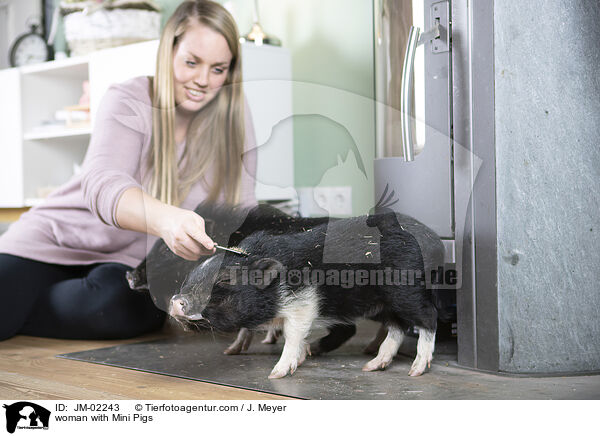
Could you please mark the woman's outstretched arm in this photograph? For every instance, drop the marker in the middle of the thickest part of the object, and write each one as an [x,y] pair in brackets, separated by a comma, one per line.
[182,230]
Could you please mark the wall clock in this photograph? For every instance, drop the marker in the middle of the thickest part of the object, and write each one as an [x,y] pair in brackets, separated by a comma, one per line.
[30,48]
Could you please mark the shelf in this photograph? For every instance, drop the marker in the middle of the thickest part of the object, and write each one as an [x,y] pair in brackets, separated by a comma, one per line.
[71,67]
[62,132]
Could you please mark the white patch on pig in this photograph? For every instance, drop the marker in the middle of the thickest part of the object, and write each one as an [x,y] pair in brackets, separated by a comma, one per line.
[298,309]
[387,350]
[425,346]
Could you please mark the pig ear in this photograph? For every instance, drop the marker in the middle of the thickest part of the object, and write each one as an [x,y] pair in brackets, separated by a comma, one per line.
[271,269]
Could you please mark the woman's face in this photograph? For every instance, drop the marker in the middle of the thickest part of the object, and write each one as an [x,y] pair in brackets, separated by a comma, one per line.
[201,62]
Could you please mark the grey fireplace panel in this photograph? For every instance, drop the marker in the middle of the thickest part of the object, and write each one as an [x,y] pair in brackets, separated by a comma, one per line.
[547,119]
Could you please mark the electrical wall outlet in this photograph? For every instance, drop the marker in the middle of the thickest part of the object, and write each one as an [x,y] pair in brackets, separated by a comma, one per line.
[326,200]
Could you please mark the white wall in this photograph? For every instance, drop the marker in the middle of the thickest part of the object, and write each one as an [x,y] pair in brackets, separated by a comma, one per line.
[13,19]
[5,24]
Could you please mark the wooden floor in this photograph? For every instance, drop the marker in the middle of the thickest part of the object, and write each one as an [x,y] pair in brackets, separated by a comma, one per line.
[29,371]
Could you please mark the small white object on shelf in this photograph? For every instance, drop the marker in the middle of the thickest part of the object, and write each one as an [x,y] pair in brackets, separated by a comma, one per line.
[30,202]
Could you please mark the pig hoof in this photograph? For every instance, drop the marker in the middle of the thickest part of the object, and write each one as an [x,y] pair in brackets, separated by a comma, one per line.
[241,343]
[280,373]
[415,372]
[418,367]
[237,347]
[232,350]
[305,351]
[283,368]
[376,364]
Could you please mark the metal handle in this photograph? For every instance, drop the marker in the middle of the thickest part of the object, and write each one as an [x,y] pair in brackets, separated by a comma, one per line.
[405,94]
[407,82]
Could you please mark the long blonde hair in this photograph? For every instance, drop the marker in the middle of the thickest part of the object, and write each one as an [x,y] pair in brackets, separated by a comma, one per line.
[215,137]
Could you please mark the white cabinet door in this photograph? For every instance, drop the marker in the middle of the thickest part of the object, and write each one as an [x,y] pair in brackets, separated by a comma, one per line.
[11,135]
[268,88]
[117,65]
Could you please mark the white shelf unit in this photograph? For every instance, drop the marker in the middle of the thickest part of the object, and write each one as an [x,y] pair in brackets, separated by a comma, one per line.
[64,132]
[11,140]
[48,157]
[32,159]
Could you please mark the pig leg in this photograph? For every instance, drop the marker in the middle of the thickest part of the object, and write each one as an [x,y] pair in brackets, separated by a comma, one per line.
[387,350]
[296,327]
[425,345]
[272,335]
[376,342]
[241,343]
[274,331]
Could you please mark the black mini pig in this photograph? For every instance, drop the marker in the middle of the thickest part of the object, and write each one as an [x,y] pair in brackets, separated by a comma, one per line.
[162,272]
[284,276]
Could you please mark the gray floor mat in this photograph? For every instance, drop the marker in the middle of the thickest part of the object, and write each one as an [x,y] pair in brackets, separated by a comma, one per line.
[335,376]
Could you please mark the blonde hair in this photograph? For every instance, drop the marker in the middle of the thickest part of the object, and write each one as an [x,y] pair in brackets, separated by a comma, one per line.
[215,137]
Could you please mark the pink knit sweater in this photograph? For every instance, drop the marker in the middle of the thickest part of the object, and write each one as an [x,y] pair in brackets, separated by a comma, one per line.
[76,225]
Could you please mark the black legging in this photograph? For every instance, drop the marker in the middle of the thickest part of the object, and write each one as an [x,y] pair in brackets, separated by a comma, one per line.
[72,301]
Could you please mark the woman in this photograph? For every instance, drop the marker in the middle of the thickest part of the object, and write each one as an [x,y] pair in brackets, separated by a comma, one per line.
[159,147]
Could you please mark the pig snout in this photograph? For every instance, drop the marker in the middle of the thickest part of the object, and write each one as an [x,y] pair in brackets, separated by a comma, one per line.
[180,308]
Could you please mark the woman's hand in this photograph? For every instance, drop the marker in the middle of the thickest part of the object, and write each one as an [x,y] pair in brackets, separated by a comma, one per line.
[182,230]
[184,233]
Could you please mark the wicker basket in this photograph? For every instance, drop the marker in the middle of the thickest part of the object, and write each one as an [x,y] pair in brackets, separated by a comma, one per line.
[91,26]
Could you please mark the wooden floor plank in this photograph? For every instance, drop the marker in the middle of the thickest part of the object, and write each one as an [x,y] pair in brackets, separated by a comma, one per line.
[18,386]
[29,370]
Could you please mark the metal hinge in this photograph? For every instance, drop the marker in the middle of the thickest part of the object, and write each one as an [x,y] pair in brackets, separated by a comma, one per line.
[438,33]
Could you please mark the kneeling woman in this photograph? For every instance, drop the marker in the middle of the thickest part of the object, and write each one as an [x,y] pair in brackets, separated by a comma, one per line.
[160,146]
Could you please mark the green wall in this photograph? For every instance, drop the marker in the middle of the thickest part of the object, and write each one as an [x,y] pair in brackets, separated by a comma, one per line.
[331,43]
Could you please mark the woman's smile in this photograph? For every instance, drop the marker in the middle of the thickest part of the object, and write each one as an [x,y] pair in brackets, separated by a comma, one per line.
[195,94]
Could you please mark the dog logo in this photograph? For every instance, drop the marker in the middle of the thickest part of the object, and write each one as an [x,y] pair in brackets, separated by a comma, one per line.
[25,415]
